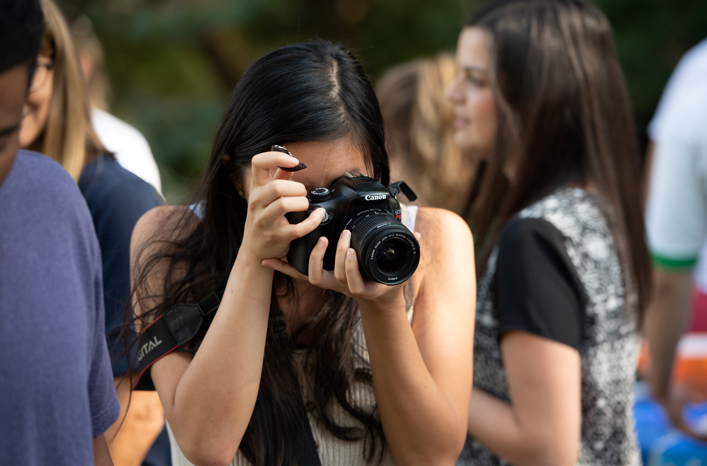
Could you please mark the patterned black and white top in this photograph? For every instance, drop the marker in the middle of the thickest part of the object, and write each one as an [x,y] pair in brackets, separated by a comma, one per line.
[606,335]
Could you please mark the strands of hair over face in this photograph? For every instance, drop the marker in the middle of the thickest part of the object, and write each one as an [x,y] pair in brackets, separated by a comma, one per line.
[564,118]
[301,92]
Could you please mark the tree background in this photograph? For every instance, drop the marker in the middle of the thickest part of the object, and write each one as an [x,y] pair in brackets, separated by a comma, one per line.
[173,63]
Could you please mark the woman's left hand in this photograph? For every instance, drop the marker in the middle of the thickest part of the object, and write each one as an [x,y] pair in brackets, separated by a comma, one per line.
[345,278]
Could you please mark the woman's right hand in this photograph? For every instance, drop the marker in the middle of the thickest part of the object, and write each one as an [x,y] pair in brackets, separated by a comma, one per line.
[267,233]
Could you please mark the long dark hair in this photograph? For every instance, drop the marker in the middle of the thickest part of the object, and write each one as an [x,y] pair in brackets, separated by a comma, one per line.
[564,117]
[302,92]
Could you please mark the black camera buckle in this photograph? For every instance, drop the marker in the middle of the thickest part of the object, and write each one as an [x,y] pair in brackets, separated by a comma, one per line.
[400,186]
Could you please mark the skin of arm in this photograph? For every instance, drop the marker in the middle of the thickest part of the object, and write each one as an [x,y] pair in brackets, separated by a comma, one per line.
[665,323]
[208,401]
[140,422]
[542,426]
[101,455]
[647,166]
[421,374]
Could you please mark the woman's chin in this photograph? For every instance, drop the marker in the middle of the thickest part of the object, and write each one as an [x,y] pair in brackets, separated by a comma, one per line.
[463,140]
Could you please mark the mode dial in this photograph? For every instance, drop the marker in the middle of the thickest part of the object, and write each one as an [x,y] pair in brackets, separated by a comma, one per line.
[320,194]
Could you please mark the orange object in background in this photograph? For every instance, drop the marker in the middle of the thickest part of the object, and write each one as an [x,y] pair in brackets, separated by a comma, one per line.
[690,367]
[644,361]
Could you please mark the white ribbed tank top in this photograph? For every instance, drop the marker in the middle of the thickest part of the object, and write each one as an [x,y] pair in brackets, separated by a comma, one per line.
[332,450]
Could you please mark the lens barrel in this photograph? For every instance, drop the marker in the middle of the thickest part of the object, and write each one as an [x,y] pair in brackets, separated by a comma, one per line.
[387,250]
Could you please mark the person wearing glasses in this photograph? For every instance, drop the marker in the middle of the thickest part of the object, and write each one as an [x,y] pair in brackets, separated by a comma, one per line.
[56,122]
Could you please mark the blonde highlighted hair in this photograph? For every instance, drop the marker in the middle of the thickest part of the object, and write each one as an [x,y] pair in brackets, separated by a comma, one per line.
[68,135]
[419,124]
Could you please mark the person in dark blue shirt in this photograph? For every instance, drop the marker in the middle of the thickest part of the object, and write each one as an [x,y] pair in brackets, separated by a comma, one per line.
[117,199]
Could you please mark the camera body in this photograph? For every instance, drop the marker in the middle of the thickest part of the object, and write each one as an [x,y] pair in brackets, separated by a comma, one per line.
[387,250]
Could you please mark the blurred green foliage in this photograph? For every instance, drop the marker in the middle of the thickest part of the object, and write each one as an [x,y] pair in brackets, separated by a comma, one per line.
[173,63]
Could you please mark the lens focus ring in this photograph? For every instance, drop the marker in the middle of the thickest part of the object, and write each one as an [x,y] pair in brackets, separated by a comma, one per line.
[387,251]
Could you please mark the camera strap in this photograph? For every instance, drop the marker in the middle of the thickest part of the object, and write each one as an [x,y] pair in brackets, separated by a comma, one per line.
[307,454]
[180,324]
[171,330]
[399,186]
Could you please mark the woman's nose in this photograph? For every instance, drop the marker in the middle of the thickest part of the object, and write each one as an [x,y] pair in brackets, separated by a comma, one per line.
[452,93]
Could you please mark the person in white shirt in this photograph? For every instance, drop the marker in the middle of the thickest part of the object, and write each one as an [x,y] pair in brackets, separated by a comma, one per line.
[129,146]
[676,216]
[689,75]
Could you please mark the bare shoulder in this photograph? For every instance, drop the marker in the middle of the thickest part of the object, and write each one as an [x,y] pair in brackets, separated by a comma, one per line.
[154,232]
[164,223]
[446,248]
[443,230]
[445,281]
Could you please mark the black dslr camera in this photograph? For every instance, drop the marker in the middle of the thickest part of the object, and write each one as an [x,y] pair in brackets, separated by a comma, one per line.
[387,251]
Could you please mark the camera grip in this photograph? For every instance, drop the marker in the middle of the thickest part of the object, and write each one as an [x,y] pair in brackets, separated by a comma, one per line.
[301,248]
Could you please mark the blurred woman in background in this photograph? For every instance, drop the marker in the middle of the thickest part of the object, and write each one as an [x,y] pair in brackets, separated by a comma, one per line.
[126,143]
[56,122]
[563,263]
[419,123]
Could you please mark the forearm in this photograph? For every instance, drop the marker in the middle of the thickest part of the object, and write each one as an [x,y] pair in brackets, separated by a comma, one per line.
[542,426]
[215,396]
[420,423]
[666,319]
[141,421]
[494,423]
[101,455]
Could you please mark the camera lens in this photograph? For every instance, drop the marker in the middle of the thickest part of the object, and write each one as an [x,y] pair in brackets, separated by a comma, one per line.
[390,257]
[387,251]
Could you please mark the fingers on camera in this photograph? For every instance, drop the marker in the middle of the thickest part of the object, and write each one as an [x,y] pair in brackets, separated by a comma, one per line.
[261,165]
[316,262]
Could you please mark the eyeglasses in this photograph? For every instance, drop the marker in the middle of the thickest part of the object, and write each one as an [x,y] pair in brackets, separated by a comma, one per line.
[41,73]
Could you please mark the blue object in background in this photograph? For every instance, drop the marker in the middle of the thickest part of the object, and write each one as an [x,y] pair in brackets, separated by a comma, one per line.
[660,444]
[677,449]
[650,419]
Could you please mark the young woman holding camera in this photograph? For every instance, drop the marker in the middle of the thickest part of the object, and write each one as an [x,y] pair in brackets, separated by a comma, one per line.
[381,369]
[563,265]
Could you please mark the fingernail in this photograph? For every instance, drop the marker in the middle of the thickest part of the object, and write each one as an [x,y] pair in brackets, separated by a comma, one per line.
[296,168]
[320,242]
[350,253]
[346,234]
